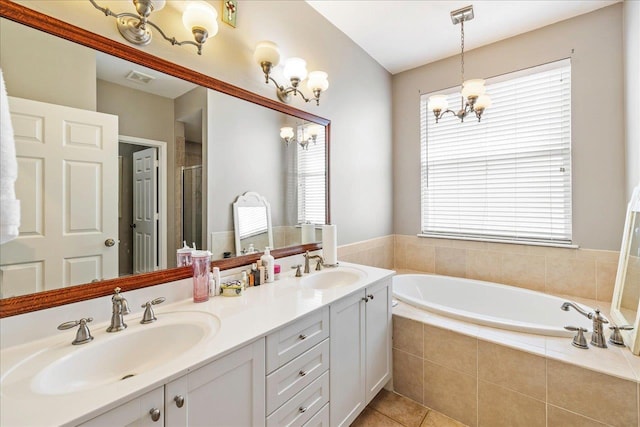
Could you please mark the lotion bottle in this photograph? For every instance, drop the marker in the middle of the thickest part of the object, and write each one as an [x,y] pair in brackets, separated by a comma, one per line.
[268,262]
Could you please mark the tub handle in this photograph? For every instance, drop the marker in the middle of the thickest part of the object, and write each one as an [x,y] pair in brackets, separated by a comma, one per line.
[579,340]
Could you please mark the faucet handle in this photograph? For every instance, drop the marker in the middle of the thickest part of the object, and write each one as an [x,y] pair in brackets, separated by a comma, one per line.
[83,335]
[579,340]
[319,264]
[149,316]
[616,336]
[298,272]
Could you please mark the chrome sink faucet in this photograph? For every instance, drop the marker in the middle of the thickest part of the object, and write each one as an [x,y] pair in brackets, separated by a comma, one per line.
[307,257]
[119,308]
[597,337]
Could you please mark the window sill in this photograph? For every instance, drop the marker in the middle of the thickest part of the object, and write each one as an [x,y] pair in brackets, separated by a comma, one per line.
[510,242]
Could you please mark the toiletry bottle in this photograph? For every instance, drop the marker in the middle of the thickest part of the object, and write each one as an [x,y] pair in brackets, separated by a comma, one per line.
[276,272]
[216,282]
[263,274]
[268,262]
[244,280]
[254,274]
[259,277]
[251,249]
[201,277]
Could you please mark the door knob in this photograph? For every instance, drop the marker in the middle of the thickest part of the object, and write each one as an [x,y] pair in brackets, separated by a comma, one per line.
[109,242]
[132,225]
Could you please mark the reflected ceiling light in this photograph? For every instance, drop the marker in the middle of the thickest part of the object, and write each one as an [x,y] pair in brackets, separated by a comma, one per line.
[288,135]
[199,18]
[295,70]
[473,91]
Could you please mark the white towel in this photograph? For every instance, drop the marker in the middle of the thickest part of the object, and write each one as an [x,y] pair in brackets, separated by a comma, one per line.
[9,206]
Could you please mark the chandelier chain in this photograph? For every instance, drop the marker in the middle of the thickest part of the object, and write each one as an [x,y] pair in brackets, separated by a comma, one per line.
[462,49]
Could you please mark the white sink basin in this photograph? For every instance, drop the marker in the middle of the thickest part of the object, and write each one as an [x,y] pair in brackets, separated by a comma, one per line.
[333,278]
[111,357]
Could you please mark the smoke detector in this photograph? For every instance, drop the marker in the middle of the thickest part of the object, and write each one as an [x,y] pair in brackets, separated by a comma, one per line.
[138,77]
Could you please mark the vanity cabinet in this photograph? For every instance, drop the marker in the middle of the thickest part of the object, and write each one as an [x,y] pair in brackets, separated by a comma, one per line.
[360,350]
[297,383]
[227,392]
[139,412]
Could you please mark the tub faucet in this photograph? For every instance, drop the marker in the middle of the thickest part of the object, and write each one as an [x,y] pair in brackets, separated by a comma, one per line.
[307,257]
[597,337]
[119,307]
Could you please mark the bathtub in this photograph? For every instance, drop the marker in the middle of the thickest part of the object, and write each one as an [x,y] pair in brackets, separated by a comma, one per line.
[489,304]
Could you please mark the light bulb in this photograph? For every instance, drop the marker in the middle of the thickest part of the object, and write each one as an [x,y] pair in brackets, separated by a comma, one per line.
[438,102]
[201,15]
[483,101]
[286,133]
[473,87]
[318,81]
[267,51]
[314,130]
[295,68]
[158,4]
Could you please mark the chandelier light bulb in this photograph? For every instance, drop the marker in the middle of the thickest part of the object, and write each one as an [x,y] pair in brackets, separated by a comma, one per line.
[473,87]
[318,80]
[295,69]
[201,15]
[158,5]
[267,51]
[286,133]
[314,130]
[483,101]
[438,103]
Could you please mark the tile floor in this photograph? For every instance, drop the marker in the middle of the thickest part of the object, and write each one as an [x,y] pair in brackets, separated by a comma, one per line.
[389,409]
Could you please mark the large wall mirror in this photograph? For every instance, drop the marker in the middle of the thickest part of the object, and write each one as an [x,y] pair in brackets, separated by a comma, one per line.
[148,155]
[625,306]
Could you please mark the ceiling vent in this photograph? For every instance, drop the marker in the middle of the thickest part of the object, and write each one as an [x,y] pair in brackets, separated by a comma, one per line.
[138,77]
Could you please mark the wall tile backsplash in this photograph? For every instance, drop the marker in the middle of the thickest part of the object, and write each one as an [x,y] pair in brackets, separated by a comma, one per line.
[585,273]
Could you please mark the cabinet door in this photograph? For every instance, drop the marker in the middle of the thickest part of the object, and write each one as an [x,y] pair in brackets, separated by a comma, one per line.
[227,392]
[378,337]
[135,413]
[347,360]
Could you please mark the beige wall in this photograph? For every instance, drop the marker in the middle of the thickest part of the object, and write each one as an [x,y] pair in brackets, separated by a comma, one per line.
[594,43]
[358,101]
[631,10]
[31,69]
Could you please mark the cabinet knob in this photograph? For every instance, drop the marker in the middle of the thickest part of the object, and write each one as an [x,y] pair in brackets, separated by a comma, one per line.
[302,409]
[155,414]
[365,299]
[302,373]
[179,399]
[302,336]
[370,296]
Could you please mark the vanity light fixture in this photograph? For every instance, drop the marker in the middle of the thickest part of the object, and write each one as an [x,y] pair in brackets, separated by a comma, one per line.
[199,17]
[295,70]
[288,135]
[472,90]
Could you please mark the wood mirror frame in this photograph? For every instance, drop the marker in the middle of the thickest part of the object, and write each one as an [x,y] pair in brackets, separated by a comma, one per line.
[56,297]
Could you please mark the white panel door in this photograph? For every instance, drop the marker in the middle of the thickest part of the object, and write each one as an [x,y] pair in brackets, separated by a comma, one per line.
[67,158]
[378,338]
[135,413]
[145,210]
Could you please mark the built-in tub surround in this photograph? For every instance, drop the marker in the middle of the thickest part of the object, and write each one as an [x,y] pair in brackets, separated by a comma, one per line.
[485,376]
[242,320]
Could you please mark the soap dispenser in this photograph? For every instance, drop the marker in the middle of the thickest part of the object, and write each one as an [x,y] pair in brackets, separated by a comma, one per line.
[268,262]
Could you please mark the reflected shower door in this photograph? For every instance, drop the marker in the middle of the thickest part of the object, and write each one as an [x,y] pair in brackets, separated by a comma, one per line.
[192,205]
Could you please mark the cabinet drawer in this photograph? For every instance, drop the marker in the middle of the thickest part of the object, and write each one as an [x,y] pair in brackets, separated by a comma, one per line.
[303,405]
[287,381]
[292,340]
[321,419]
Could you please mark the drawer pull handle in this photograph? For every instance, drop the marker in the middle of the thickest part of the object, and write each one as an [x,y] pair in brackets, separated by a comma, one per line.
[302,373]
[155,414]
[302,336]
[179,399]
[302,409]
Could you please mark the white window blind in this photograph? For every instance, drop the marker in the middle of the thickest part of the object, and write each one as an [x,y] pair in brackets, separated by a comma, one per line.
[252,221]
[311,179]
[507,177]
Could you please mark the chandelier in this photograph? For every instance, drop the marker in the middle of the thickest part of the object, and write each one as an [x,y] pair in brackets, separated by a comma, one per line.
[474,99]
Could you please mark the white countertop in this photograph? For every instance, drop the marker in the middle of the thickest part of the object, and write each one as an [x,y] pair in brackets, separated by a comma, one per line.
[244,319]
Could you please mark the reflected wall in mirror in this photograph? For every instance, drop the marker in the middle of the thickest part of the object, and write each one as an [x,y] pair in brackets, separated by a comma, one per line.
[252,223]
[171,124]
[625,307]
